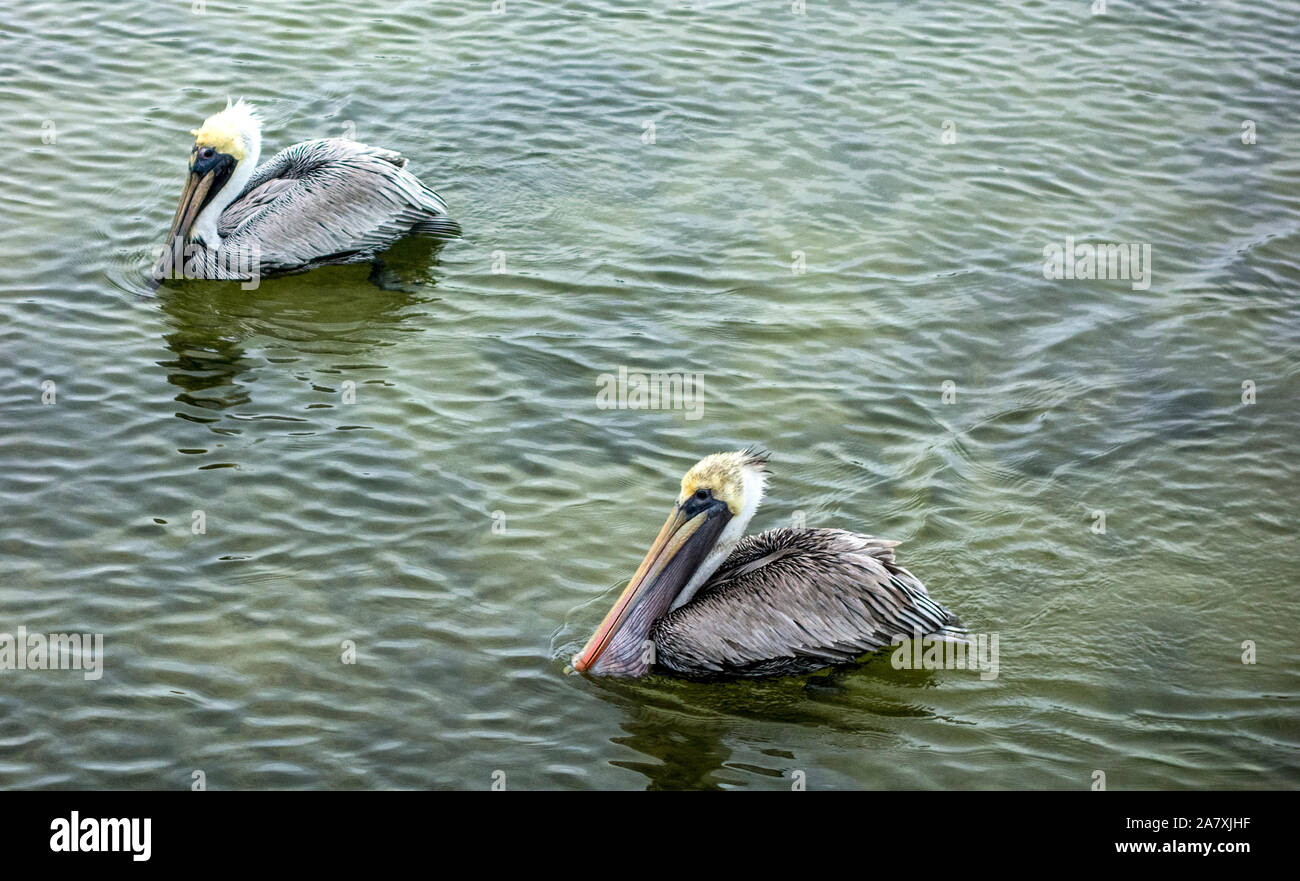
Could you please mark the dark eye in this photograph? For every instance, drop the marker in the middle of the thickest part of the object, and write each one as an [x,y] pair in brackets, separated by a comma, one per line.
[702,495]
[206,153]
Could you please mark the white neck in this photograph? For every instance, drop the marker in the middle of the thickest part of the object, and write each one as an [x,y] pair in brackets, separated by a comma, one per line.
[205,225]
[735,530]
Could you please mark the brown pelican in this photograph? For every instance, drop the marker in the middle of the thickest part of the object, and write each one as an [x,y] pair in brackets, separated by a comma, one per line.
[319,202]
[708,602]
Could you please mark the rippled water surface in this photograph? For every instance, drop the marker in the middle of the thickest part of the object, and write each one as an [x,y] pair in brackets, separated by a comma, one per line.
[475,389]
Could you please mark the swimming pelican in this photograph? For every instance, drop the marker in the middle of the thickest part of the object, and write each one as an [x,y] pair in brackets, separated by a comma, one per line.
[319,202]
[706,602]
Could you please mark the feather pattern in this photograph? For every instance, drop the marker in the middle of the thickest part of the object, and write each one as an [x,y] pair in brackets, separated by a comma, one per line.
[323,202]
[794,600]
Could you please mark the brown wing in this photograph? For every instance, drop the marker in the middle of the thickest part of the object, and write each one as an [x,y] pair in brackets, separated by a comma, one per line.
[795,600]
[329,201]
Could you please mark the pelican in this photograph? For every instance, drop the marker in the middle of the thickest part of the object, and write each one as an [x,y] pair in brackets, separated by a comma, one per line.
[707,601]
[318,202]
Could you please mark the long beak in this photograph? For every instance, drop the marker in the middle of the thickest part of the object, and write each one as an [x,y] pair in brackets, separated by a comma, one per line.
[193,198]
[682,544]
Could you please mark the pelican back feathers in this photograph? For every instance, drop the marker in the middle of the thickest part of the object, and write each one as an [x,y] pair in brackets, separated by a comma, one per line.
[324,202]
[794,600]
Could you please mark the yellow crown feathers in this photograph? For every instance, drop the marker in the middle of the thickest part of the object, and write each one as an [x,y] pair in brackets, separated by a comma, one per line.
[223,131]
[724,475]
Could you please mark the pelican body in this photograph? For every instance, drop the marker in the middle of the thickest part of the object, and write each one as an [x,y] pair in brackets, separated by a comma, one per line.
[319,202]
[709,602]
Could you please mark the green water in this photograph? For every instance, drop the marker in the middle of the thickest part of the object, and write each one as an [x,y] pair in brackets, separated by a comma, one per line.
[475,389]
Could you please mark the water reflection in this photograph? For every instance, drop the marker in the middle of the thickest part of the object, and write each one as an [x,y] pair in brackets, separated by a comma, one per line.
[684,728]
[205,370]
[333,311]
[690,756]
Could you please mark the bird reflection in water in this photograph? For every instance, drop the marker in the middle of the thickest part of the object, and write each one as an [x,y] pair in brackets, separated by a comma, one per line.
[341,312]
[684,729]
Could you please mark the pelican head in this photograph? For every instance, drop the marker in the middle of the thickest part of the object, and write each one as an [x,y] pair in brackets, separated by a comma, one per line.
[225,152]
[719,496]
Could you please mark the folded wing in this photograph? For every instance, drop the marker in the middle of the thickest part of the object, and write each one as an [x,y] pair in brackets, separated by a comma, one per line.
[792,600]
[331,201]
